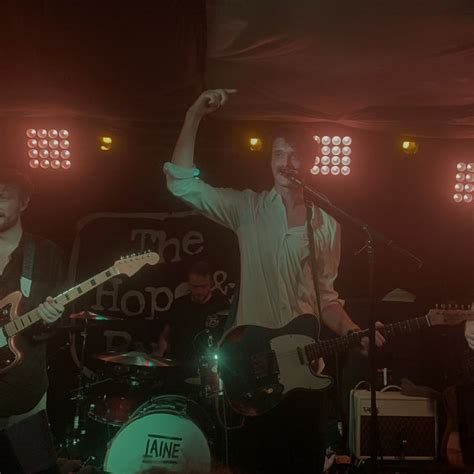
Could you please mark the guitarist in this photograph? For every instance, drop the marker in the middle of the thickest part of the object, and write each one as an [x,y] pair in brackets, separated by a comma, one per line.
[33,266]
[276,284]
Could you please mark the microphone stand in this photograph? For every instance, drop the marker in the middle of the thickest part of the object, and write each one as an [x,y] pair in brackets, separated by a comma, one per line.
[372,237]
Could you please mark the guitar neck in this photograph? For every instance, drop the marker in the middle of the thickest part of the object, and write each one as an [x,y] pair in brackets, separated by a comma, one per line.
[330,347]
[26,320]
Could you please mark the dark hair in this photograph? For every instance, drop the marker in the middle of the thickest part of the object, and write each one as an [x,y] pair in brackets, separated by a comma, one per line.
[19,181]
[200,268]
[299,136]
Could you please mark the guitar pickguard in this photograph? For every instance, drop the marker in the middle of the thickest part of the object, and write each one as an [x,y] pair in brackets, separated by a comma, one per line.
[293,373]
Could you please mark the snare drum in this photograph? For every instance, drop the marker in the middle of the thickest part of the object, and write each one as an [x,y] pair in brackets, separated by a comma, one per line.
[168,431]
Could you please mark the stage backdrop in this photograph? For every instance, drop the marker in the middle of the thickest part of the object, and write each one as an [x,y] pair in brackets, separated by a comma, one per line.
[180,239]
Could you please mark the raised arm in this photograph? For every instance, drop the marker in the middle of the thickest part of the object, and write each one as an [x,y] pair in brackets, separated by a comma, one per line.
[224,206]
[208,102]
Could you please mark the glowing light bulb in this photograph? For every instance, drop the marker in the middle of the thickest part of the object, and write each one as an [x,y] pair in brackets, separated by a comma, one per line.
[346,161]
[325,160]
[325,150]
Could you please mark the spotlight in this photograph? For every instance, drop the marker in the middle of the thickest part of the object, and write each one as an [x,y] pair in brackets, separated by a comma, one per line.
[409,147]
[44,147]
[255,144]
[464,187]
[105,143]
[335,159]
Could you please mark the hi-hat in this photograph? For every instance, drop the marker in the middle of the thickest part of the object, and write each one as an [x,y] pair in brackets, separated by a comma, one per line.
[140,359]
[92,316]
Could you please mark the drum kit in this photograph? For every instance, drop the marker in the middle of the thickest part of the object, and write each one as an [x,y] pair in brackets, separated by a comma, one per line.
[127,420]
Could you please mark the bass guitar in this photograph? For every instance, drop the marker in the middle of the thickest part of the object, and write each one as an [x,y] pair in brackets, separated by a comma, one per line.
[259,366]
[12,325]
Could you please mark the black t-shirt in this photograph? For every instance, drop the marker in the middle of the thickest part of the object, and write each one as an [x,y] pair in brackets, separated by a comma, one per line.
[22,387]
[192,325]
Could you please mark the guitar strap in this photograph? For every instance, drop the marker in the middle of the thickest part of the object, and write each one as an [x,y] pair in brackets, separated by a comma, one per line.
[312,254]
[26,278]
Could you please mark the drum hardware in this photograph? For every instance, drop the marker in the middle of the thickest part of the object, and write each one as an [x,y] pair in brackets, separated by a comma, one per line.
[78,431]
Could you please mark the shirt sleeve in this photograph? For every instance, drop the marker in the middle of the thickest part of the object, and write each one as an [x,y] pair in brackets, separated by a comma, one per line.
[328,245]
[224,206]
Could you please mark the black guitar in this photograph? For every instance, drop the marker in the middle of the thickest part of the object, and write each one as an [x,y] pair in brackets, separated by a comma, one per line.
[259,366]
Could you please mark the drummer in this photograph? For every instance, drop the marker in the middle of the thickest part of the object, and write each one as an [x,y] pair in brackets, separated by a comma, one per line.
[195,321]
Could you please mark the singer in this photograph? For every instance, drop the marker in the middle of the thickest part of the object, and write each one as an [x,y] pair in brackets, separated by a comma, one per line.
[276,283]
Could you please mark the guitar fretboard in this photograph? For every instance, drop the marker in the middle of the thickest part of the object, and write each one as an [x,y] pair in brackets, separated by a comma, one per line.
[329,347]
[27,319]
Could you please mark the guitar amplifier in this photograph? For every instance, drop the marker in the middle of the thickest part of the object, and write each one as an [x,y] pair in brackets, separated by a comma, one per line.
[408,426]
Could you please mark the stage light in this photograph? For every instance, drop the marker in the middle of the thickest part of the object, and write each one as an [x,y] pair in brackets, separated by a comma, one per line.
[44,148]
[105,143]
[331,150]
[255,144]
[325,160]
[409,147]
[464,187]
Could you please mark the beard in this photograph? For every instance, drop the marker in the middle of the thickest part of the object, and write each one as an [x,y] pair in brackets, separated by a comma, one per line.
[7,223]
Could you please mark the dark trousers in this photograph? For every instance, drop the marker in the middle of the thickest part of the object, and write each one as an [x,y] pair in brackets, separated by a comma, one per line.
[289,438]
[27,447]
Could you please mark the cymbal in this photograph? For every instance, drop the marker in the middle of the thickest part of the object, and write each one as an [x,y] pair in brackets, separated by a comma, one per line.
[140,359]
[93,316]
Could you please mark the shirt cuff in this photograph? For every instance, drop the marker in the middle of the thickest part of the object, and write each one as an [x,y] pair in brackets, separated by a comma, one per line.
[178,172]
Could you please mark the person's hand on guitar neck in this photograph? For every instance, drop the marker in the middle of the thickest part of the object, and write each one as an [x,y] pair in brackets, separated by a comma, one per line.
[469,334]
[379,339]
[50,311]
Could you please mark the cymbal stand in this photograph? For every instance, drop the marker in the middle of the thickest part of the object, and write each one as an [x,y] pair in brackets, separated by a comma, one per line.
[79,429]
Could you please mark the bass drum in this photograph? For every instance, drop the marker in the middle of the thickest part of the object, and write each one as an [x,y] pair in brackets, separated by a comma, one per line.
[169,432]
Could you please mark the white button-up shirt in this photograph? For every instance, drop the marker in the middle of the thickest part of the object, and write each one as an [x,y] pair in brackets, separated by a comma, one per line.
[276,283]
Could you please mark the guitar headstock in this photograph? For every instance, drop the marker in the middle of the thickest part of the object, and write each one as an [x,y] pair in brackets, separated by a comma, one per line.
[131,264]
[449,316]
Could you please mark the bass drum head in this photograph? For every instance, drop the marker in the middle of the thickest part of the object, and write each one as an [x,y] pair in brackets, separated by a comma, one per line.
[161,436]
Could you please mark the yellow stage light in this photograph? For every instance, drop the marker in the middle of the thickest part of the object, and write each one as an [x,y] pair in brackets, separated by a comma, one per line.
[105,143]
[255,144]
[409,147]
